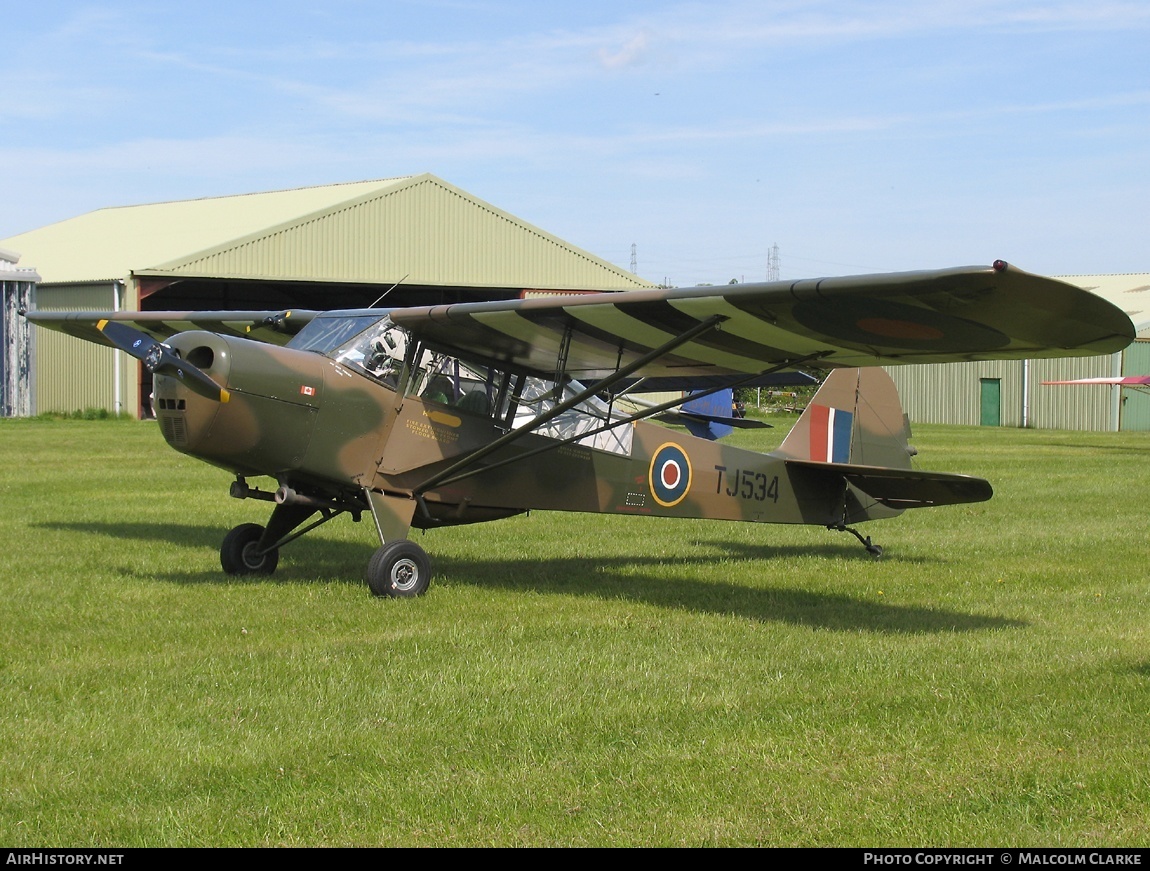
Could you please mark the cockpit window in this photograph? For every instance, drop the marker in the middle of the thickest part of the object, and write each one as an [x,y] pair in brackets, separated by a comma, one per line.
[326,334]
[467,386]
[589,423]
[373,346]
[377,352]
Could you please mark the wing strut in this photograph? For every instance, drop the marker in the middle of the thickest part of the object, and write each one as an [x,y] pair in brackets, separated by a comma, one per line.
[538,421]
[640,415]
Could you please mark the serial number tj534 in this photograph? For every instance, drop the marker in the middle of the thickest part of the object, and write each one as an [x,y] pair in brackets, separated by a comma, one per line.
[747,484]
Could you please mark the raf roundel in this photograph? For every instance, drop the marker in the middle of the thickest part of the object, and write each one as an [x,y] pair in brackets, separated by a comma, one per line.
[670,475]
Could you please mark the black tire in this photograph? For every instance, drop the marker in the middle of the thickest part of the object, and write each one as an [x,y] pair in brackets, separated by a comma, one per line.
[400,569]
[238,552]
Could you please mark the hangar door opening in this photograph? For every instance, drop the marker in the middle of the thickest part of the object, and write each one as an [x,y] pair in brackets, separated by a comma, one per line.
[990,402]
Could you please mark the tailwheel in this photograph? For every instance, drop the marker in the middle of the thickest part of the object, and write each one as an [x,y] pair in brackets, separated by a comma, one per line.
[400,569]
[240,553]
[873,549]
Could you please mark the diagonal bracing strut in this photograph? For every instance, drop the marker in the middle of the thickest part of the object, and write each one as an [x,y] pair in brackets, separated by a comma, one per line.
[538,421]
[640,415]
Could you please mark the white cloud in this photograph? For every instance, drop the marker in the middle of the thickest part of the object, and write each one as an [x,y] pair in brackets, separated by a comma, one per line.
[149,104]
[631,52]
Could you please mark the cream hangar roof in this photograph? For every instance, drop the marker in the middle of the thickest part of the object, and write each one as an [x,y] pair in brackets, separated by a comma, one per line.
[1129,291]
[109,243]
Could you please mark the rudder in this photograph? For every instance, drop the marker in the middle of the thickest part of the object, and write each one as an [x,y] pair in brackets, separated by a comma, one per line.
[855,417]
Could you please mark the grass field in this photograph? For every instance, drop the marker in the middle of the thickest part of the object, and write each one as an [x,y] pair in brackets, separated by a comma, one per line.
[574,679]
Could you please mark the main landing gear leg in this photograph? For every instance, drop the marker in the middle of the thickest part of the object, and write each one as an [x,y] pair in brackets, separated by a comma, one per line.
[873,549]
[249,549]
[400,568]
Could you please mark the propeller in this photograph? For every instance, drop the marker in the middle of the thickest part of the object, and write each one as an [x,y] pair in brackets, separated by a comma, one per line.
[159,359]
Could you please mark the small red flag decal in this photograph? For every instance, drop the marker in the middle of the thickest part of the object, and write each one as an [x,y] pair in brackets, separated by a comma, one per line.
[307,391]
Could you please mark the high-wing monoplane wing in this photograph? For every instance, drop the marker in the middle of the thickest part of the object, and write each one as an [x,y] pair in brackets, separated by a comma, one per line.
[939,316]
[972,313]
[1140,383]
[1126,381]
[266,326]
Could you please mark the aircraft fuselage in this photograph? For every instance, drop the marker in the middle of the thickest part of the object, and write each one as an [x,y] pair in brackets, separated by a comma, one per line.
[316,424]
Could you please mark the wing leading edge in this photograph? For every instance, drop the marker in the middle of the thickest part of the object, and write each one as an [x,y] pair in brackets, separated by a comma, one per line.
[276,328]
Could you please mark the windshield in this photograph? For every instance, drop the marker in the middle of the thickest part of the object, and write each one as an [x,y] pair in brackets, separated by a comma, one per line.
[325,334]
[377,352]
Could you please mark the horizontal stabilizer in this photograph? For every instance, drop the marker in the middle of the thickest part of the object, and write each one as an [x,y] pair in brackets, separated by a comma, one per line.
[736,422]
[714,415]
[907,488]
[681,417]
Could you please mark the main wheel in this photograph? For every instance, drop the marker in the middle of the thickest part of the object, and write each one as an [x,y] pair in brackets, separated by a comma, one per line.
[239,554]
[400,569]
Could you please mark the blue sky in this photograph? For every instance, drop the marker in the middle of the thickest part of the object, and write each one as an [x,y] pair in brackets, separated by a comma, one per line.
[857,136]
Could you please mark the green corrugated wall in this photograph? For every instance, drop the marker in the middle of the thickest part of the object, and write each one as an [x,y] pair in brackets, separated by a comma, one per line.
[1136,403]
[71,375]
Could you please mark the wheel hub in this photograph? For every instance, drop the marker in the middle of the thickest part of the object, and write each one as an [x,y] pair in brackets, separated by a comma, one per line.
[404,574]
[253,559]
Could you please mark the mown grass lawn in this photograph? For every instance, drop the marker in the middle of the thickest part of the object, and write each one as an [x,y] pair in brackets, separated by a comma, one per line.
[574,679]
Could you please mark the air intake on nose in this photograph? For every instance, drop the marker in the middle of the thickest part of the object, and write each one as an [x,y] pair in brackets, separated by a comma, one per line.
[174,429]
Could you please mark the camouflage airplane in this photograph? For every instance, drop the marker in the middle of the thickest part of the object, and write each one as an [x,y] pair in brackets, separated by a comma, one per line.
[450,414]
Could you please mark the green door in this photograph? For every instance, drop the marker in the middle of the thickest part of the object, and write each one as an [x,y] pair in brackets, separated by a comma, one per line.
[990,402]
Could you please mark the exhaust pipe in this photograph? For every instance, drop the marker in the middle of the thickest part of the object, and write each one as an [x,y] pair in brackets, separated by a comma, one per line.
[285,495]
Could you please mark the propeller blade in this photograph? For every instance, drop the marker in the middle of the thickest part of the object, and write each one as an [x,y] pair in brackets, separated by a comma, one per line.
[159,359]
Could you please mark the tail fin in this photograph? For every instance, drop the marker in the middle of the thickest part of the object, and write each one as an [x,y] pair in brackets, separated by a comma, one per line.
[855,418]
[854,428]
[708,416]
